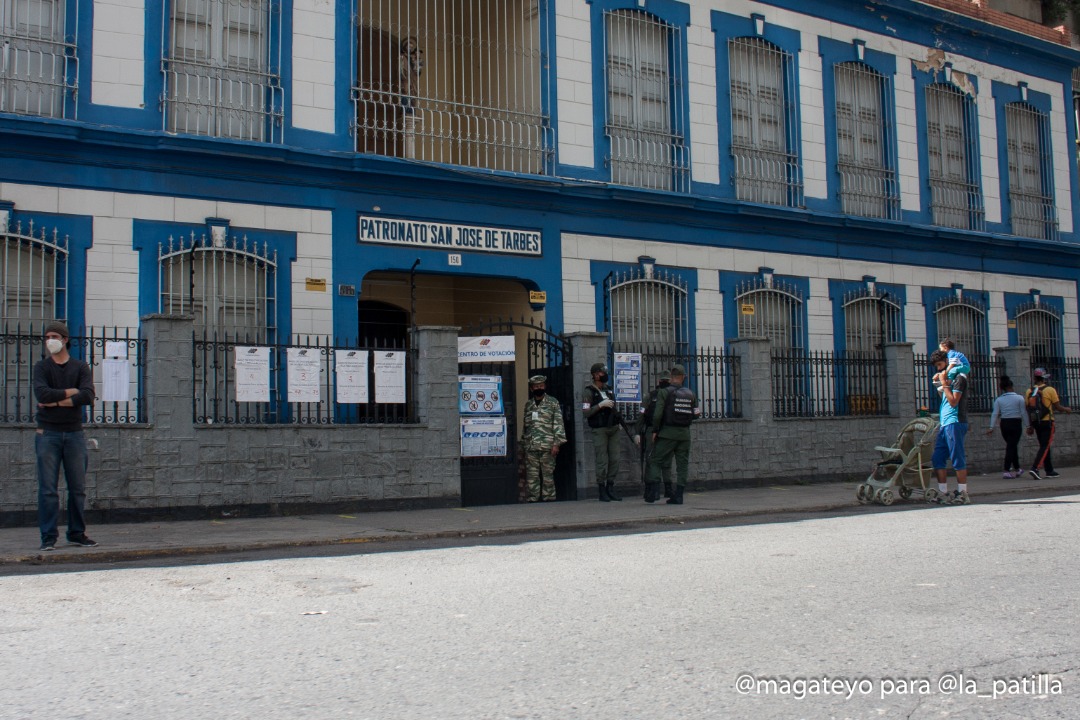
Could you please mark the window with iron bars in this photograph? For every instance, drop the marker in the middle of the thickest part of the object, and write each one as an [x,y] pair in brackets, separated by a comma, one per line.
[1076,110]
[870,320]
[644,102]
[865,159]
[221,61]
[1030,168]
[951,147]
[1039,327]
[228,284]
[454,81]
[772,311]
[963,320]
[38,57]
[33,273]
[764,131]
[647,311]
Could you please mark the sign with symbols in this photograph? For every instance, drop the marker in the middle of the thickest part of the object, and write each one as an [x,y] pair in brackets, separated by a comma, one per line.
[628,377]
[480,395]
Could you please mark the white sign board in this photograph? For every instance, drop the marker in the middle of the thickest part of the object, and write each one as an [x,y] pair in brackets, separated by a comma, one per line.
[480,395]
[448,236]
[483,437]
[389,376]
[116,380]
[489,348]
[252,374]
[351,368]
[303,367]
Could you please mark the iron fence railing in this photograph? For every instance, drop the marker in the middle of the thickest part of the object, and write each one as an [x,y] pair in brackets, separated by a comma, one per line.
[712,375]
[982,383]
[1064,376]
[823,384]
[20,350]
[358,382]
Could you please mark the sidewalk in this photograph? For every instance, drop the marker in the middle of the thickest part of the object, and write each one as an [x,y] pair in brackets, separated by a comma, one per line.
[139,541]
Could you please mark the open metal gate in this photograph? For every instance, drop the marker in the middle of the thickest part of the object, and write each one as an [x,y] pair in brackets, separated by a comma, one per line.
[494,480]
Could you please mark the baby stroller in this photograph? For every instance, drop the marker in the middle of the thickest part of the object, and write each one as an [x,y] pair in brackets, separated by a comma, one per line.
[905,468]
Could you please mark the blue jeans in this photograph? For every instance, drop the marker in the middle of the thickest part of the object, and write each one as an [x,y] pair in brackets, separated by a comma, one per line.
[53,450]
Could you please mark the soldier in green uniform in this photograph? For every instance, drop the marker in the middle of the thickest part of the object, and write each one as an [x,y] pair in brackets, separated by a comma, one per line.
[676,408]
[642,430]
[598,407]
[543,432]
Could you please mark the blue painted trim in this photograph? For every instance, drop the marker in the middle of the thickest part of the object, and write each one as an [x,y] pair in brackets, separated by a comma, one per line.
[725,27]
[1014,300]
[80,232]
[729,282]
[839,288]
[599,270]
[146,236]
[1005,95]
[931,296]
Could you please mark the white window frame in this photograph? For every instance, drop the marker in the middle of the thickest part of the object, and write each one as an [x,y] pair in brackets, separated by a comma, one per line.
[864,156]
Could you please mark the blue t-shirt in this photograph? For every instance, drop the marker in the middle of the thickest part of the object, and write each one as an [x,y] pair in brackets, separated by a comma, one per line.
[958,414]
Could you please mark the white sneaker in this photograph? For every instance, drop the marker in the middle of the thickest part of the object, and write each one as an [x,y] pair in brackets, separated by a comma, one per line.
[1007,475]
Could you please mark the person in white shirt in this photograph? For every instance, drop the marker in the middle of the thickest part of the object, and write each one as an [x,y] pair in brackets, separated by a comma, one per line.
[1009,409]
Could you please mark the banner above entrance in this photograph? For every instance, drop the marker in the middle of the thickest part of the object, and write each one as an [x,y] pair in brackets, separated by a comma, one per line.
[488,348]
[448,236]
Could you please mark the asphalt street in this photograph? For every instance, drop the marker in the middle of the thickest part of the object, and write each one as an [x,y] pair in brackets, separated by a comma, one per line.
[924,614]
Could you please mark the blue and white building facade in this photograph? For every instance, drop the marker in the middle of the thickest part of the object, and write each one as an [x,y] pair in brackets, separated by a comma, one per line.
[669,172]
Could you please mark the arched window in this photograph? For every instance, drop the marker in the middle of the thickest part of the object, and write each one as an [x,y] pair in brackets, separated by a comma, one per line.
[1039,328]
[764,131]
[33,274]
[871,318]
[772,310]
[643,102]
[1030,172]
[228,284]
[37,59]
[865,159]
[647,311]
[964,321]
[953,155]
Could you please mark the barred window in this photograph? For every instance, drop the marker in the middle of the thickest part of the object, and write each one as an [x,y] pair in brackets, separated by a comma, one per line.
[221,62]
[37,63]
[1030,182]
[865,160]
[1076,109]
[871,318]
[33,273]
[454,82]
[227,284]
[955,191]
[646,311]
[643,101]
[770,310]
[964,321]
[1039,328]
[764,133]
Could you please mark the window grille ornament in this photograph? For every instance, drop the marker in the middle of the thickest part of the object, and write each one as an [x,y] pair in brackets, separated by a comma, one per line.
[646,312]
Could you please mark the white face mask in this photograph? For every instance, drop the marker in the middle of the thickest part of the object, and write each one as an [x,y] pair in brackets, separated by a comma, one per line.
[53,345]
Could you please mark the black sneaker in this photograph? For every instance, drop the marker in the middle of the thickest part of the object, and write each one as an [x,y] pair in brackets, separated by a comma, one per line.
[1053,474]
[47,545]
[1034,474]
[82,541]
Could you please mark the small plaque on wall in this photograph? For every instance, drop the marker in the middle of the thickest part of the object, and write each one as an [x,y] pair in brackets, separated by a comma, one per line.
[315,284]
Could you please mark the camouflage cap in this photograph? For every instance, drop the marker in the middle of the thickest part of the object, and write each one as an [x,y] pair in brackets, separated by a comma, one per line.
[678,370]
[537,379]
[598,367]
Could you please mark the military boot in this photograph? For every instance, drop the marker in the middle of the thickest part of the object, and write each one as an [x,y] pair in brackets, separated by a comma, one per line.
[652,492]
[667,490]
[676,496]
[612,495]
[602,495]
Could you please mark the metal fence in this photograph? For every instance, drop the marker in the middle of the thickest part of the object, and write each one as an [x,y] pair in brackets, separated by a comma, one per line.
[821,384]
[314,381]
[982,383]
[20,350]
[1064,376]
[711,374]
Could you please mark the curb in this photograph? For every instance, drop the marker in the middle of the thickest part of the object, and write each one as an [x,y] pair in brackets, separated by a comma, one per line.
[115,556]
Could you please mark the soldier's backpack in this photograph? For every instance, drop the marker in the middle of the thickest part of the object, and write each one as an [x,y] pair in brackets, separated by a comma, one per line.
[679,407]
[1037,410]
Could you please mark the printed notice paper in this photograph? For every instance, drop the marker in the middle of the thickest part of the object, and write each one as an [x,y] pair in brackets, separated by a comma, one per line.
[351,367]
[389,376]
[303,374]
[252,374]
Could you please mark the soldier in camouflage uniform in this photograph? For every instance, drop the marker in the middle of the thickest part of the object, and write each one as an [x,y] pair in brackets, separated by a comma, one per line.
[643,432]
[543,432]
[676,408]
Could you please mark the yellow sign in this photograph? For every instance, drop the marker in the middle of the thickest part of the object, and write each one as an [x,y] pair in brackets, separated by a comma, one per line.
[537,297]
[315,284]
[1012,325]
[747,309]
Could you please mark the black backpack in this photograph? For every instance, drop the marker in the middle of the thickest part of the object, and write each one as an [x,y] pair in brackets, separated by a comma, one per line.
[679,407]
[1037,410]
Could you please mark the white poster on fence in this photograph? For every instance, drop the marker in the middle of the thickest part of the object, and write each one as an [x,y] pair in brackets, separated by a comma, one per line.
[483,437]
[116,380]
[252,374]
[389,376]
[303,365]
[351,368]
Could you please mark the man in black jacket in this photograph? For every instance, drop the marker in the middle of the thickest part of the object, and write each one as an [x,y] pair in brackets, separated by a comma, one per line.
[62,386]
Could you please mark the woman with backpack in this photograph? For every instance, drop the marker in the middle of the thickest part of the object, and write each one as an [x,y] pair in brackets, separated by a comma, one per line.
[1042,400]
[1009,408]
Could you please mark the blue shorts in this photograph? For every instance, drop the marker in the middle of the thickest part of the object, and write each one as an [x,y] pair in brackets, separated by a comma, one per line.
[950,446]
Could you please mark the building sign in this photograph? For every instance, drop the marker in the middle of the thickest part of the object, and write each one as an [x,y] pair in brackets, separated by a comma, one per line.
[538,297]
[483,437]
[480,394]
[747,309]
[315,284]
[488,348]
[628,377]
[448,236]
